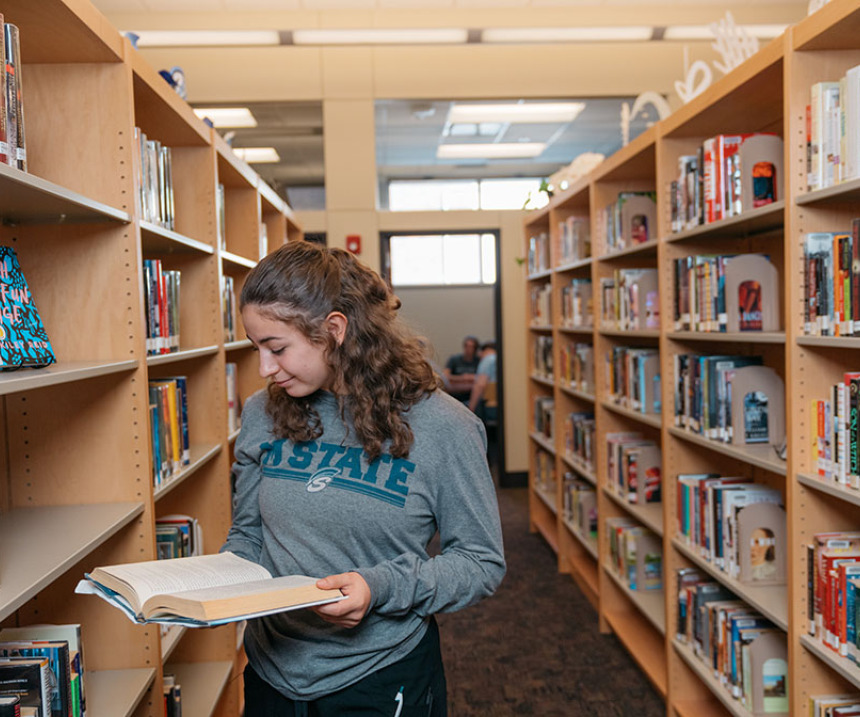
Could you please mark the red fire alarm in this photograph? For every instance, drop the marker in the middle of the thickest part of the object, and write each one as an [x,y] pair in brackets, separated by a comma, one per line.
[353,243]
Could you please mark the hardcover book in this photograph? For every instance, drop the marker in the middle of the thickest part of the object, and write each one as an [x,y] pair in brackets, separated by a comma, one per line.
[201,591]
[23,339]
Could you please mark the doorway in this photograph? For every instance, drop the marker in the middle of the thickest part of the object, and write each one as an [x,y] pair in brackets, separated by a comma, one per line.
[449,286]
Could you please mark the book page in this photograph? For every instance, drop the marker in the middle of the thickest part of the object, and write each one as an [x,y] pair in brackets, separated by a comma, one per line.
[155,577]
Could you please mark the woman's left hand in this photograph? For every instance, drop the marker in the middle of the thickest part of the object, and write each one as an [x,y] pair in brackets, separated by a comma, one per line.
[348,612]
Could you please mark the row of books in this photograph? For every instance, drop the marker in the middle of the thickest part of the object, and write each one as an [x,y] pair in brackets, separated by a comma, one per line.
[719,293]
[833,131]
[42,666]
[831,271]
[635,554]
[630,300]
[161,296]
[579,434]
[234,399]
[178,536]
[746,652]
[155,181]
[833,577]
[544,416]
[728,175]
[629,221]
[633,378]
[229,309]
[168,414]
[736,525]
[172,691]
[576,366]
[834,449]
[540,304]
[577,308]
[579,507]
[13,144]
[732,399]
[575,239]
[543,358]
[835,705]
[544,480]
[633,468]
[539,254]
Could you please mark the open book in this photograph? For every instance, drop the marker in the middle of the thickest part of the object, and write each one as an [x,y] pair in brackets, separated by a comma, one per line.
[202,590]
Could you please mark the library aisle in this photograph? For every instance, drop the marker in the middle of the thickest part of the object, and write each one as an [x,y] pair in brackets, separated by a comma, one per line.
[534,648]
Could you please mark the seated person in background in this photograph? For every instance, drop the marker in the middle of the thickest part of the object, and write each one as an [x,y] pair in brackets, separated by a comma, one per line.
[459,373]
[485,373]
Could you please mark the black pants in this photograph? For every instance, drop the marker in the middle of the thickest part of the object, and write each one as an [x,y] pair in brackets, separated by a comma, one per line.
[412,687]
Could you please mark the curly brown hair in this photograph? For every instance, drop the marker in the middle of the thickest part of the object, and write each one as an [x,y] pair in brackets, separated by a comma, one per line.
[379,370]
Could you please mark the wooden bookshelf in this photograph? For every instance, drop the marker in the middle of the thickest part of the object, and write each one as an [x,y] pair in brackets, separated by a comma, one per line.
[767,93]
[77,457]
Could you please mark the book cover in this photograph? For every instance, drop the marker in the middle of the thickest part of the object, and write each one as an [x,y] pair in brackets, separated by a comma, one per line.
[69,633]
[23,339]
[29,679]
[57,654]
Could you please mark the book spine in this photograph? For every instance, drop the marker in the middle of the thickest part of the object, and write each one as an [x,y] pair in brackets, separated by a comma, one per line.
[4,145]
[13,48]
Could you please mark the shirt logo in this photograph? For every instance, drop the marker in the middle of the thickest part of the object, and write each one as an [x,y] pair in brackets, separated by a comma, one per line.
[321,479]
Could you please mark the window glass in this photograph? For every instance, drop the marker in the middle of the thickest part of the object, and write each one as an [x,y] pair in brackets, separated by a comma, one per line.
[417,260]
[462,258]
[443,259]
[422,195]
[509,193]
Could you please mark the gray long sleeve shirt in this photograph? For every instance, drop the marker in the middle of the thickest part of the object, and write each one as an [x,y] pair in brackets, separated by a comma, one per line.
[318,508]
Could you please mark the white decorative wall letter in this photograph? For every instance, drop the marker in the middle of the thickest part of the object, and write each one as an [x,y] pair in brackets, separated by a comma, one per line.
[733,43]
[698,79]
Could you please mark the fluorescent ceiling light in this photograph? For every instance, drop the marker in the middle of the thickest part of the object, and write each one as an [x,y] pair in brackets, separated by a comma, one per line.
[511,150]
[192,38]
[257,155]
[227,116]
[380,37]
[526,113]
[704,32]
[566,34]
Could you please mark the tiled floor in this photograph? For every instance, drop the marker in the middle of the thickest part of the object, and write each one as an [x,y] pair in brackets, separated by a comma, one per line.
[534,648]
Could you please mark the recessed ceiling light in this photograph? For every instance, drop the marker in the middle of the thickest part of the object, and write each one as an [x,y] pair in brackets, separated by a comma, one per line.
[510,150]
[534,112]
[384,36]
[704,32]
[192,38]
[257,155]
[566,34]
[227,116]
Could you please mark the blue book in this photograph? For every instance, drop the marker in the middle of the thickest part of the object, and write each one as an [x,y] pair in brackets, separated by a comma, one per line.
[23,340]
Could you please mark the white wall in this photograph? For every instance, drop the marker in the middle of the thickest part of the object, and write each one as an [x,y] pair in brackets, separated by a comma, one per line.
[447,314]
